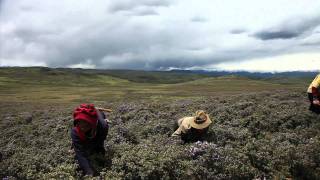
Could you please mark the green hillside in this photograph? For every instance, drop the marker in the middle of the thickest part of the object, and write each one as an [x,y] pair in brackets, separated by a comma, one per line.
[73,85]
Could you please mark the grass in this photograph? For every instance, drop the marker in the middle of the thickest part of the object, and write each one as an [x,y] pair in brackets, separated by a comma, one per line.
[60,85]
[274,137]
[262,128]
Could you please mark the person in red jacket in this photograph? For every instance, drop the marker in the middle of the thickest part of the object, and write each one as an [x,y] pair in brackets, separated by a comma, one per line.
[88,135]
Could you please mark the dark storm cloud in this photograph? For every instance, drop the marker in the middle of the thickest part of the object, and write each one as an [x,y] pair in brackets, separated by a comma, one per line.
[129,5]
[146,34]
[127,47]
[1,6]
[27,8]
[198,19]
[113,46]
[183,61]
[147,12]
[313,43]
[289,29]
[28,34]
[270,35]
[238,31]
[140,12]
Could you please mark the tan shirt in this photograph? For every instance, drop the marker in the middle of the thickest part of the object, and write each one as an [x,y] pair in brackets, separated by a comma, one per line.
[315,83]
[184,126]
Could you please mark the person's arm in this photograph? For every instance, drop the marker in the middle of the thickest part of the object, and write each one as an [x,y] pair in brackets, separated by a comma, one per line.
[315,92]
[180,130]
[103,131]
[315,87]
[177,132]
[81,155]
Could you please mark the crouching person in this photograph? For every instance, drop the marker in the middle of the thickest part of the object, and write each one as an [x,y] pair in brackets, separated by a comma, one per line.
[192,129]
[88,135]
[314,95]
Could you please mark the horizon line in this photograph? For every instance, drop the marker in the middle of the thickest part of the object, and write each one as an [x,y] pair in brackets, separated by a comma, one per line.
[173,69]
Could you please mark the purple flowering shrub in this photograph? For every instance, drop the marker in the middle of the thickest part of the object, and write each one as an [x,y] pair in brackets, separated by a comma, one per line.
[256,135]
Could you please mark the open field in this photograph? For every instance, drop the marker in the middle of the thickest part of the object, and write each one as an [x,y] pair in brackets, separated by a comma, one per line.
[262,128]
[64,86]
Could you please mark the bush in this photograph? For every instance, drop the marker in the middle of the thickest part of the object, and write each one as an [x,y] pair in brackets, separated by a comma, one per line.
[252,137]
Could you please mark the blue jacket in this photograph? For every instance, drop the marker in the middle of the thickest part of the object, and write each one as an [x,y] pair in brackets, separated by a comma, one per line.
[90,146]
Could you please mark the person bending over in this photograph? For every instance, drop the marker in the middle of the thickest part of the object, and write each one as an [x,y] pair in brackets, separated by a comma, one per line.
[314,95]
[192,129]
[88,135]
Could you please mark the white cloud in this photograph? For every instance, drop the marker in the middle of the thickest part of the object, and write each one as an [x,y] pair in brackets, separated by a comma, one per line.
[291,62]
[21,62]
[86,65]
[153,34]
[83,66]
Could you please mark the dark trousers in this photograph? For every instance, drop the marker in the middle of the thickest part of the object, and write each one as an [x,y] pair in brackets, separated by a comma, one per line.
[313,108]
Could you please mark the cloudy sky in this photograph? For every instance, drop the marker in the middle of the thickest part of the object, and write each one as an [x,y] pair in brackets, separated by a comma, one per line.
[254,35]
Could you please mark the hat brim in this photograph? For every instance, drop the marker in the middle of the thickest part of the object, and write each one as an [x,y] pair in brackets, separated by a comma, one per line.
[202,125]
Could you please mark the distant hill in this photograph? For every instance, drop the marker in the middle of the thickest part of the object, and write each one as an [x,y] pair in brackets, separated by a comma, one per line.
[140,76]
[154,77]
[81,85]
[290,74]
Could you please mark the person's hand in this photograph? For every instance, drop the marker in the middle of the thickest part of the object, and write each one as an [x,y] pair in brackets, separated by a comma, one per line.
[71,151]
[175,140]
[316,102]
[101,150]
[89,173]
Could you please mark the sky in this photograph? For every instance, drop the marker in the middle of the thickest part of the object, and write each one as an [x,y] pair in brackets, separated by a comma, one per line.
[252,35]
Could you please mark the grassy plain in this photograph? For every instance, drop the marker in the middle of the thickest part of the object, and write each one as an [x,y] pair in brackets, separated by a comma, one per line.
[262,128]
[65,86]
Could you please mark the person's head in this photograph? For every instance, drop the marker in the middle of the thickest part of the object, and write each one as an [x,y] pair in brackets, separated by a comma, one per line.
[84,126]
[201,116]
[201,120]
[85,117]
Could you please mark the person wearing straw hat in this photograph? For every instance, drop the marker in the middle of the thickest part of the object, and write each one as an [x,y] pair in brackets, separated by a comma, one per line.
[314,95]
[193,129]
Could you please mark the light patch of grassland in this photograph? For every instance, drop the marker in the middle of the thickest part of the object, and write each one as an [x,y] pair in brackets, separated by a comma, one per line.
[64,87]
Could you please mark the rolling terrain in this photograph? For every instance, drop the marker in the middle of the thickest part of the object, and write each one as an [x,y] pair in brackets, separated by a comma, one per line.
[262,127]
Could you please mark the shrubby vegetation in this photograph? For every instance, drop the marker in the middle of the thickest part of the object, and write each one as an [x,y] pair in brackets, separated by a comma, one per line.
[258,135]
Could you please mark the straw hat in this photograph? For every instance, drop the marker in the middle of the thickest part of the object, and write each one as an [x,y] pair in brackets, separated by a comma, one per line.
[198,123]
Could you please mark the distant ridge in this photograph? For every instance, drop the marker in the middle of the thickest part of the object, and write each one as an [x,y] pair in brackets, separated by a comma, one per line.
[166,77]
[289,74]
